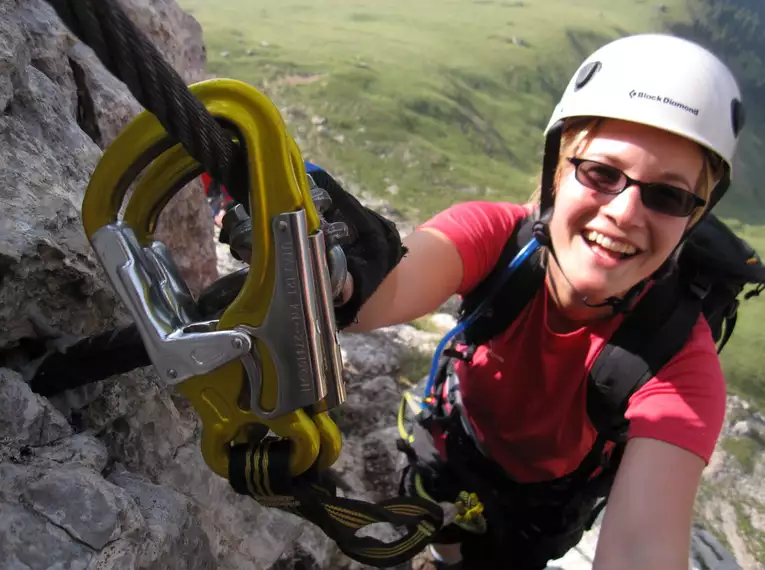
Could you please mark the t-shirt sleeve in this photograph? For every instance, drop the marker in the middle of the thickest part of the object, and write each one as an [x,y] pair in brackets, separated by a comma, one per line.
[479,230]
[685,403]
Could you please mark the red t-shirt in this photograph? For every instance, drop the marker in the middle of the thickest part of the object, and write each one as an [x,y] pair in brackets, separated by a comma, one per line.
[207,181]
[525,392]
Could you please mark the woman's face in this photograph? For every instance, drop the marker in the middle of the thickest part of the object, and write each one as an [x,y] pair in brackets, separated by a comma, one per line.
[605,244]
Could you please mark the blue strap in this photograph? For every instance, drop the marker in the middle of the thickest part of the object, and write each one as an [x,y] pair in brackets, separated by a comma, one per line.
[310,167]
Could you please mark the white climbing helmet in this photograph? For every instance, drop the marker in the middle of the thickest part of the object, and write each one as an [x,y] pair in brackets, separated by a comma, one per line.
[663,81]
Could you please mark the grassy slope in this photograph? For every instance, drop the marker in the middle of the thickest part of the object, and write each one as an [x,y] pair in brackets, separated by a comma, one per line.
[437,85]
[436,98]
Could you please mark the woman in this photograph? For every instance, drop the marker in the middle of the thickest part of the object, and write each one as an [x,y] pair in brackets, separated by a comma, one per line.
[646,109]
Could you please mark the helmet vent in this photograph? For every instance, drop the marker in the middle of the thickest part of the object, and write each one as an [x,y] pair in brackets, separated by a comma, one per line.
[586,73]
[737,116]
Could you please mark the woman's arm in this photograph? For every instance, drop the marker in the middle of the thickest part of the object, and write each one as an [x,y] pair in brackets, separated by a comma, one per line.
[675,421]
[650,509]
[426,277]
[450,253]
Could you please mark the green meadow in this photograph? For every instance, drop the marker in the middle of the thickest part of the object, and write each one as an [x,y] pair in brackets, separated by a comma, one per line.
[429,102]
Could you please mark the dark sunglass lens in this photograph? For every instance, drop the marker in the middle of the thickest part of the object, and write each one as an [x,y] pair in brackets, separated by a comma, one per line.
[668,200]
[601,177]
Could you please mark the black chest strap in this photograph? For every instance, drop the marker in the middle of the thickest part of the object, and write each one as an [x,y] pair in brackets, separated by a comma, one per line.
[507,297]
[644,343]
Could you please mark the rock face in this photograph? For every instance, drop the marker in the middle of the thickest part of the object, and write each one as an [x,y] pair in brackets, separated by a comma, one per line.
[62,107]
[45,160]
[732,497]
[65,499]
[111,475]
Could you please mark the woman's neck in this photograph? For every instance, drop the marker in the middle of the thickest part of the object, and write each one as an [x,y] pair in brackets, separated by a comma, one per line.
[567,311]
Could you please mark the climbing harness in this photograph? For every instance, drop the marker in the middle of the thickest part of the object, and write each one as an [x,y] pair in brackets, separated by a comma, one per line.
[469,507]
[264,369]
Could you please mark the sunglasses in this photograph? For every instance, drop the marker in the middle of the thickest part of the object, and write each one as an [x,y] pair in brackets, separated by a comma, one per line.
[662,198]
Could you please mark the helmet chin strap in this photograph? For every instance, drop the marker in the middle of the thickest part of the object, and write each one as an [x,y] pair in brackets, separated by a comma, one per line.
[617,304]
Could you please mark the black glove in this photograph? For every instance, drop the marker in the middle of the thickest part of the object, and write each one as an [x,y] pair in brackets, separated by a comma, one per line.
[362,246]
[372,248]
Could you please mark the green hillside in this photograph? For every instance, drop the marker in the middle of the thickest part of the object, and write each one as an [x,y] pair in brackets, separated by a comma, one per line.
[429,102]
[434,96]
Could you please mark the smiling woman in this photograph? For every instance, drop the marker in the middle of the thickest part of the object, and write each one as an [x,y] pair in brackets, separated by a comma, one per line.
[625,178]
[611,228]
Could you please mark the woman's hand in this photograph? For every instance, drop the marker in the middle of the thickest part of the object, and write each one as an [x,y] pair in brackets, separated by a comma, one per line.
[428,275]
[390,282]
[376,279]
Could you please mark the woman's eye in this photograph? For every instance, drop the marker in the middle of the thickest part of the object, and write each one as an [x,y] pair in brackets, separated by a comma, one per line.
[603,175]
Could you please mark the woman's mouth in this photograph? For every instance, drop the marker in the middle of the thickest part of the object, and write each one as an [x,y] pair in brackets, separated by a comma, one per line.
[607,247]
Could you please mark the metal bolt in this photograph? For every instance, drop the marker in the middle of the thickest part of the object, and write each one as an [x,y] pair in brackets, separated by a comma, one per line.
[237,343]
[172,373]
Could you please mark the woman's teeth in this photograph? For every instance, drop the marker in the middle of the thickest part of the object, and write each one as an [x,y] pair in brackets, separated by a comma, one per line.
[609,244]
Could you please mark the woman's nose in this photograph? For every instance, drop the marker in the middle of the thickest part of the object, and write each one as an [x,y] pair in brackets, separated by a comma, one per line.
[626,208]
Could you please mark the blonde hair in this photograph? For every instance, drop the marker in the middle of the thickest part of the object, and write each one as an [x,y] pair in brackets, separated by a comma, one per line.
[579,132]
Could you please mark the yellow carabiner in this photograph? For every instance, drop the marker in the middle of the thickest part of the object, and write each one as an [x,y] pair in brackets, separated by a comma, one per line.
[279,198]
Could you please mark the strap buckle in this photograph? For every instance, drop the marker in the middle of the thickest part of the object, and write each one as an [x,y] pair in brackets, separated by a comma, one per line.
[699,289]
[273,357]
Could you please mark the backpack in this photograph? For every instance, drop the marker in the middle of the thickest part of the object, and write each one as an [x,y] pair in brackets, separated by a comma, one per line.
[712,270]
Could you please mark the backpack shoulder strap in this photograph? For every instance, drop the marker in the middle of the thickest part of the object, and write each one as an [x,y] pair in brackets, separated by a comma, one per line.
[506,298]
[648,338]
